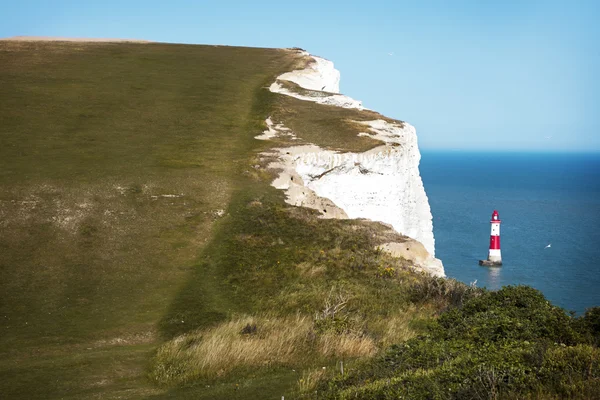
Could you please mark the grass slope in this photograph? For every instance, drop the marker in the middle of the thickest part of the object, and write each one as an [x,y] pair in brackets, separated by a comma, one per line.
[115,160]
[136,212]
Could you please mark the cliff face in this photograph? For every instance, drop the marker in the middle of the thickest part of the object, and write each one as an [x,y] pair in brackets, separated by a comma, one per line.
[320,75]
[382,184]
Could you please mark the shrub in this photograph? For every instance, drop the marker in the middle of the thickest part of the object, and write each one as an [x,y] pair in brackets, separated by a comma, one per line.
[507,344]
[448,291]
[514,312]
[590,324]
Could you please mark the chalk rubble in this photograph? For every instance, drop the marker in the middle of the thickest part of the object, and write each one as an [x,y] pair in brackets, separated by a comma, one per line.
[382,184]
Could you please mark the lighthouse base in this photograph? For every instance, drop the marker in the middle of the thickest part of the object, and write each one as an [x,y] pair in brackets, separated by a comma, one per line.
[489,263]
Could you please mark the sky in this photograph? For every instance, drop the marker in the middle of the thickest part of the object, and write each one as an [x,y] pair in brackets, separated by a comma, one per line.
[469,75]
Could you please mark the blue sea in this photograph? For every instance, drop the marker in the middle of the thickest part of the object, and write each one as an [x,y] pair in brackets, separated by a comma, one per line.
[542,198]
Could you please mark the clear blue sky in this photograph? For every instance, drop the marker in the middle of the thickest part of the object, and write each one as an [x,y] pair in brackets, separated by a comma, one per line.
[500,75]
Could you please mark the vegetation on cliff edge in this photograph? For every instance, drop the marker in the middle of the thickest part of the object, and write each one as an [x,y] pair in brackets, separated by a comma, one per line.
[507,344]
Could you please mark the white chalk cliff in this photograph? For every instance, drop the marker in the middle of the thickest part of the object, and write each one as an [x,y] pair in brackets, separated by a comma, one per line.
[382,184]
[320,77]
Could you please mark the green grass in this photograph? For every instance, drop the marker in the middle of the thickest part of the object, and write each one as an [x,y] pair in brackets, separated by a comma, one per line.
[132,213]
[328,126]
[269,258]
[91,255]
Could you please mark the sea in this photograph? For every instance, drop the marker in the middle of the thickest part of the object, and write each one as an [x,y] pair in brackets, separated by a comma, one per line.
[549,205]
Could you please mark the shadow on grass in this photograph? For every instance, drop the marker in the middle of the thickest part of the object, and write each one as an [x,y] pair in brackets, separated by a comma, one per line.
[273,385]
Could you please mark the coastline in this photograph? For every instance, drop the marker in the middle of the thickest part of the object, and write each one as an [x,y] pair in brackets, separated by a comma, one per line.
[544,198]
[382,184]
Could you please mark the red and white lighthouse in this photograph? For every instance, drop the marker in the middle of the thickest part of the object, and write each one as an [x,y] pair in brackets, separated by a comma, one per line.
[494,255]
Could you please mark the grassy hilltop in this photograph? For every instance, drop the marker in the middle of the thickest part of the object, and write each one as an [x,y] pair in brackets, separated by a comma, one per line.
[144,254]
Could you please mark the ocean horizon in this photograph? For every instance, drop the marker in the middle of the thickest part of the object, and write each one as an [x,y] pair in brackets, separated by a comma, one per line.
[543,198]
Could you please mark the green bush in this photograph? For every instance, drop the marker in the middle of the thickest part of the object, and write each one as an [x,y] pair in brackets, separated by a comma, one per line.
[590,324]
[511,343]
[449,291]
[515,313]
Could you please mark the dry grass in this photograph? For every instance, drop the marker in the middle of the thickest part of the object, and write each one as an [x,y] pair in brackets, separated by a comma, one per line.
[441,291]
[252,342]
[310,379]
[336,332]
[397,327]
[301,62]
[217,351]
[346,345]
[309,270]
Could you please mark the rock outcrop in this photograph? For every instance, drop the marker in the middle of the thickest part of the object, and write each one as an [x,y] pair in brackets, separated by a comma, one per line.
[322,79]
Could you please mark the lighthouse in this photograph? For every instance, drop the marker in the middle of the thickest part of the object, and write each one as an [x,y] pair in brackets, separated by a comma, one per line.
[494,256]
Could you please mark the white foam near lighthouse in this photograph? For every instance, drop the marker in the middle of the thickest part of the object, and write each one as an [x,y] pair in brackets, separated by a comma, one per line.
[494,254]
